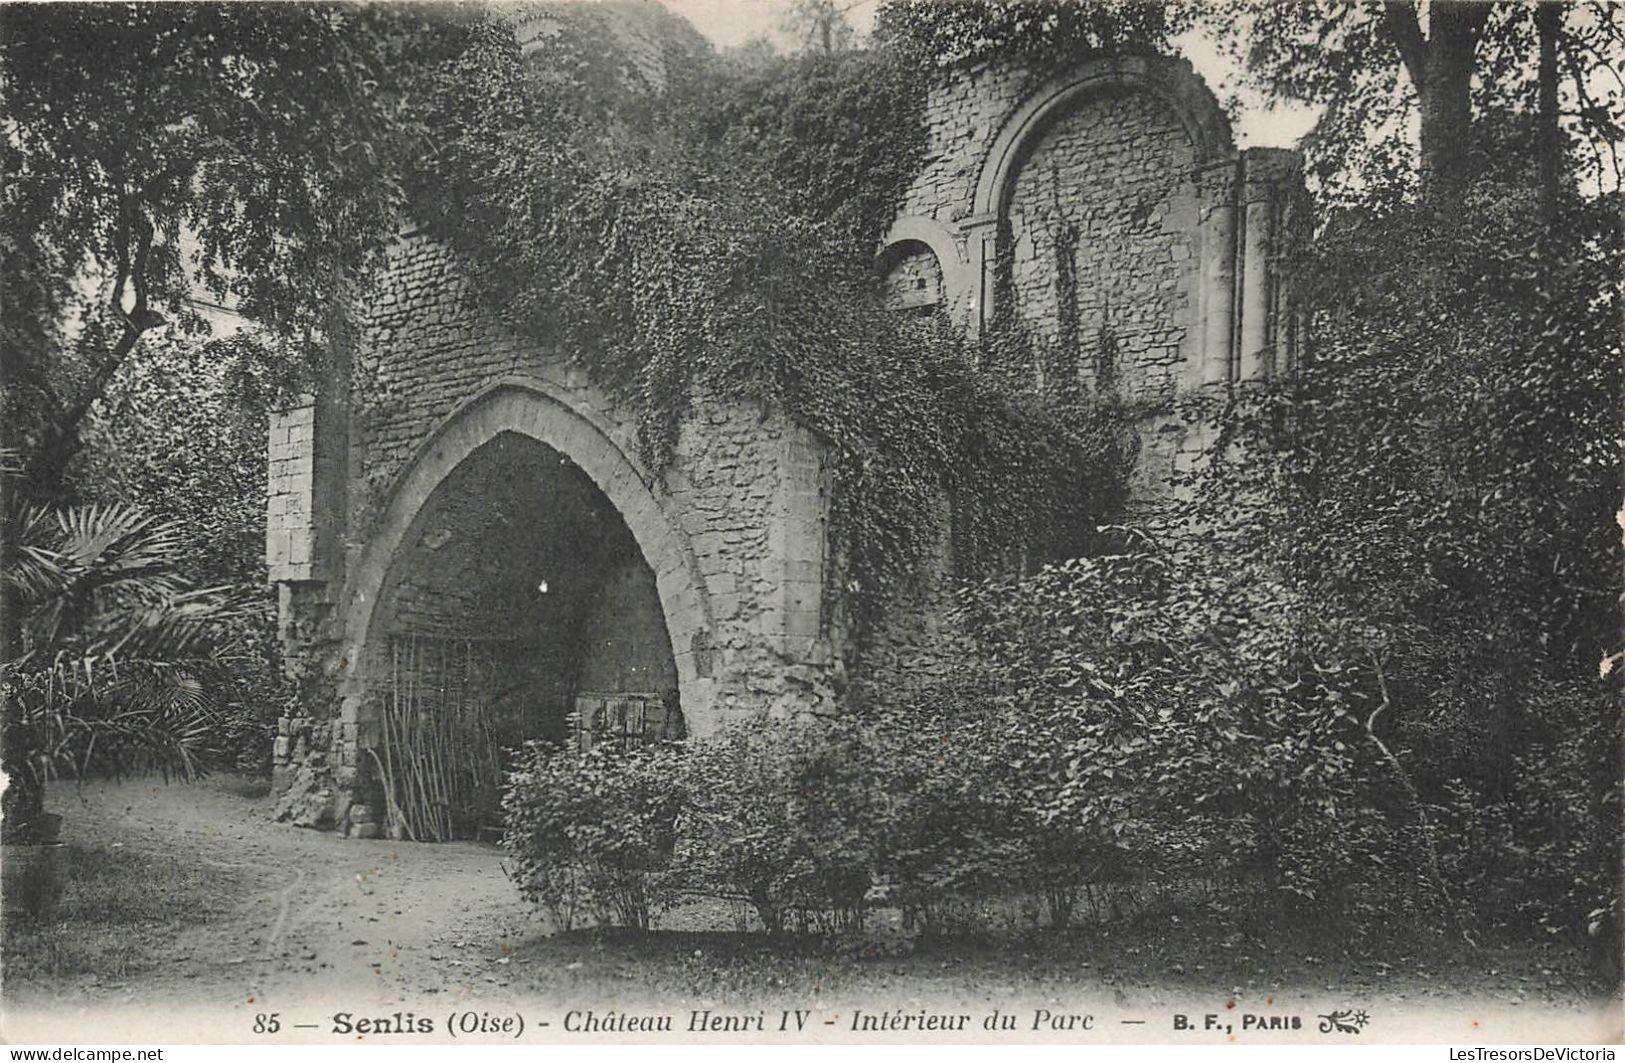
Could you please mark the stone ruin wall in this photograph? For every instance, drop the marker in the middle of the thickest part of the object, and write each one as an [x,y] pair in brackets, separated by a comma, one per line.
[1113,186]
[1106,204]
[1175,234]
[746,488]
[1105,210]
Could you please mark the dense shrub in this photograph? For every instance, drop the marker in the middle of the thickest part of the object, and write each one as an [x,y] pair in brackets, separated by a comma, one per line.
[1541,853]
[593,831]
[982,802]
[1187,722]
[120,665]
[944,816]
[182,432]
[780,815]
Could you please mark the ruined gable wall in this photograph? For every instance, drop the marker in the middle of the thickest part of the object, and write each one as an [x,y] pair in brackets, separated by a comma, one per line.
[1105,206]
[1103,189]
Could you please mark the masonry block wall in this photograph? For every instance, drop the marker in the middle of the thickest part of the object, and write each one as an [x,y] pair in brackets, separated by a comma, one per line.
[1105,208]
[730,536]
[290,524]
[1105,211]
[1103,224]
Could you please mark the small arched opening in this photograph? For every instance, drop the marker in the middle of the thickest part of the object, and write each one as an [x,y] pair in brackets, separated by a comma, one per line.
[914,282]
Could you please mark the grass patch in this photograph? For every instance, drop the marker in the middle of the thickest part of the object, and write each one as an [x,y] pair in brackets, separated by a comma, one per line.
[117,911]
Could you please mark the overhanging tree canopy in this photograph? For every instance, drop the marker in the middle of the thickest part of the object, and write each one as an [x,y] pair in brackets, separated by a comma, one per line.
[245,151]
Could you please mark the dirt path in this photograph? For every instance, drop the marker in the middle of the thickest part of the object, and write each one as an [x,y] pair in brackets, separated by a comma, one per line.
[317,916]
[307,925]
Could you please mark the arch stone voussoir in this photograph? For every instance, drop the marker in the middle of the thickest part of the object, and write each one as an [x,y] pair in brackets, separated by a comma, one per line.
[913,228]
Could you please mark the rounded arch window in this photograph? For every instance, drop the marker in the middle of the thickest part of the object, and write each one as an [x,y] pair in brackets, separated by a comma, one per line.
[913,278]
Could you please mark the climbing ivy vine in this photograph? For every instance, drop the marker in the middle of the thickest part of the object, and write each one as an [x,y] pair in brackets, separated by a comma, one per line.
[705,226]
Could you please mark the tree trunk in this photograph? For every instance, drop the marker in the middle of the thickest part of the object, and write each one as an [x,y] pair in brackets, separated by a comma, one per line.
[1445,98]
[1548,147]
[1440,67]
[45,472]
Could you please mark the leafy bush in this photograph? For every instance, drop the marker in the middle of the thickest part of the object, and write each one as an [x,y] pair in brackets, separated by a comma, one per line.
[593,831]
[1540,853]
[816,821]
[1177,722]
[812,822]
[944,842]
[780,814]
[182,432]
[967,777]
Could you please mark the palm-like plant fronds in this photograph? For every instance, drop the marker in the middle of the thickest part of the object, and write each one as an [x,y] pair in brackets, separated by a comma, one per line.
[120,665]
[82,570]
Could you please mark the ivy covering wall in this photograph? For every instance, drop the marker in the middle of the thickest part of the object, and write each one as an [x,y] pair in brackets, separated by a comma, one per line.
[684,224]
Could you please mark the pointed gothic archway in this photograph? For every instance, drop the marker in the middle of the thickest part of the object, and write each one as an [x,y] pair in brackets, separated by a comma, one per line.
[545,495]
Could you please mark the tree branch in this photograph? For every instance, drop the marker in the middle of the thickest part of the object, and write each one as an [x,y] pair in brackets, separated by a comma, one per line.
[1424,825]
[1590,110]
[62,442]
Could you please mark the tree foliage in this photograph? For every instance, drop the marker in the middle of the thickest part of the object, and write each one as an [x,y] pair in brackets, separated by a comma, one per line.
[1042,33]
[1372,67]
[818,25]
[181,431]
[245,153]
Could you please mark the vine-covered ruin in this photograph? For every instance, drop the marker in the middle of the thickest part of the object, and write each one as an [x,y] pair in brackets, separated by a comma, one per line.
[475,543]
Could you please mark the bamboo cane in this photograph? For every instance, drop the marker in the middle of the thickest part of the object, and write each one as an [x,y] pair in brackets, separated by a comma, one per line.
[436,732]
[438,736]
[403,727]
[390,712]
[430,743]
[445,748]
[431,731]
[443,754]
[415,723]
[394,810]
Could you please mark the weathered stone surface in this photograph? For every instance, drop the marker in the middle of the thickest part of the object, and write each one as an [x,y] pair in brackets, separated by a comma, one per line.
[1138,244]
[308,800]
[289,520]
[1105,208]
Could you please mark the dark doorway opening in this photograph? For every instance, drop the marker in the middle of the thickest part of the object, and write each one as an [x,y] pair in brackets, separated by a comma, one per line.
[519,608]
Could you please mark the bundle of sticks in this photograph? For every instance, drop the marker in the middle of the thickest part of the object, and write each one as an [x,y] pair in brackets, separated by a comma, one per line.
[442,752]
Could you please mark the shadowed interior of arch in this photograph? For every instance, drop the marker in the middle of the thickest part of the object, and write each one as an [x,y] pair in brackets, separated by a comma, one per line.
[518,607]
